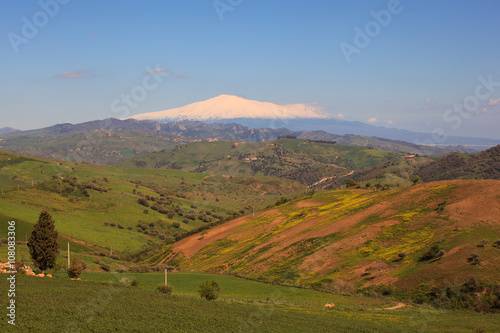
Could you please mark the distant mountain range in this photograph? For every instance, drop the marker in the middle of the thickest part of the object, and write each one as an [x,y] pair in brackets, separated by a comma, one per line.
[296,117]
[112,140]
[6,130]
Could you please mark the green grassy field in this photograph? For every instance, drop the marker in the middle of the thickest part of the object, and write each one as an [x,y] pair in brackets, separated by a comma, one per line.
[57,305]
[30,185]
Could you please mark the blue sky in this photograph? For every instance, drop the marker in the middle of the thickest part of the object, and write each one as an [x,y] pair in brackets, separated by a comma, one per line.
[419,66]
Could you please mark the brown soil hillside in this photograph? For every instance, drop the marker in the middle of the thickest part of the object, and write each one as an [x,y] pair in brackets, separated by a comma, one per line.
[360,238]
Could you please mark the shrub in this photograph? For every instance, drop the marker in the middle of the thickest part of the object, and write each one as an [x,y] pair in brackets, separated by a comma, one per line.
[440,253]
[431,253]
[143,201]
[497,243]
[105,267]
[76,268]
[279,202]
[474,259]
[112,224]
[120,226]
[135,283]
[351,183]
[125,281]
[140,269]
[176,224]
[169,239]
[402,254]
[209,290]
[166,289]
[483,243]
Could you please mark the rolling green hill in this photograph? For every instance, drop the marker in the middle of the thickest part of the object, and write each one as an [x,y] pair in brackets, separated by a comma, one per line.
[128,210]
[297,159]
[482,165]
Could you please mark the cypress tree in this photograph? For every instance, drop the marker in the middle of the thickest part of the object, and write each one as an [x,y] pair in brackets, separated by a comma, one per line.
[43,244]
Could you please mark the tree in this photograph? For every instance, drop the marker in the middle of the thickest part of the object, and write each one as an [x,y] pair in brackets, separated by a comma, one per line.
[431,253]
[351,183]
[76,268]
[209,290]
[474,259]
[43,244]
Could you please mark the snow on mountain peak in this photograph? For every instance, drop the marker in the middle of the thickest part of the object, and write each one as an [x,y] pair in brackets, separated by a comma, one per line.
[232,107]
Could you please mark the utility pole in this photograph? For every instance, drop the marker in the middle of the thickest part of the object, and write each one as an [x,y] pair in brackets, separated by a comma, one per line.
[253,211]
[165,276]
[68,257]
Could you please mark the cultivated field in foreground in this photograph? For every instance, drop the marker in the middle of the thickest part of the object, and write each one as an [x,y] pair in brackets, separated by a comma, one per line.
[62,305]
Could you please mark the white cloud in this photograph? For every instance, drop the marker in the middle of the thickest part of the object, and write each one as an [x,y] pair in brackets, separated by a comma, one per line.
[340,115]
[374,120]
[494,102]
[159,70]
[80,74]
[429,101]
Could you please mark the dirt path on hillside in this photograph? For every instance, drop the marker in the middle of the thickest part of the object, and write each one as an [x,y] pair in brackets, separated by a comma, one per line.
[398,305]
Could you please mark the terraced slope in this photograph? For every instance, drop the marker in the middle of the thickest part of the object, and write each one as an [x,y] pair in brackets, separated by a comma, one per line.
[359,238]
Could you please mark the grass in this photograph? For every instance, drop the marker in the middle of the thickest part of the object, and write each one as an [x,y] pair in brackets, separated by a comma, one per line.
[56,305]
[33,184]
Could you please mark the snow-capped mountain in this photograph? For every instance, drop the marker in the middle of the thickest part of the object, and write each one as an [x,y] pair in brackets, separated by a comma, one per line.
[230,109]
[234,107]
